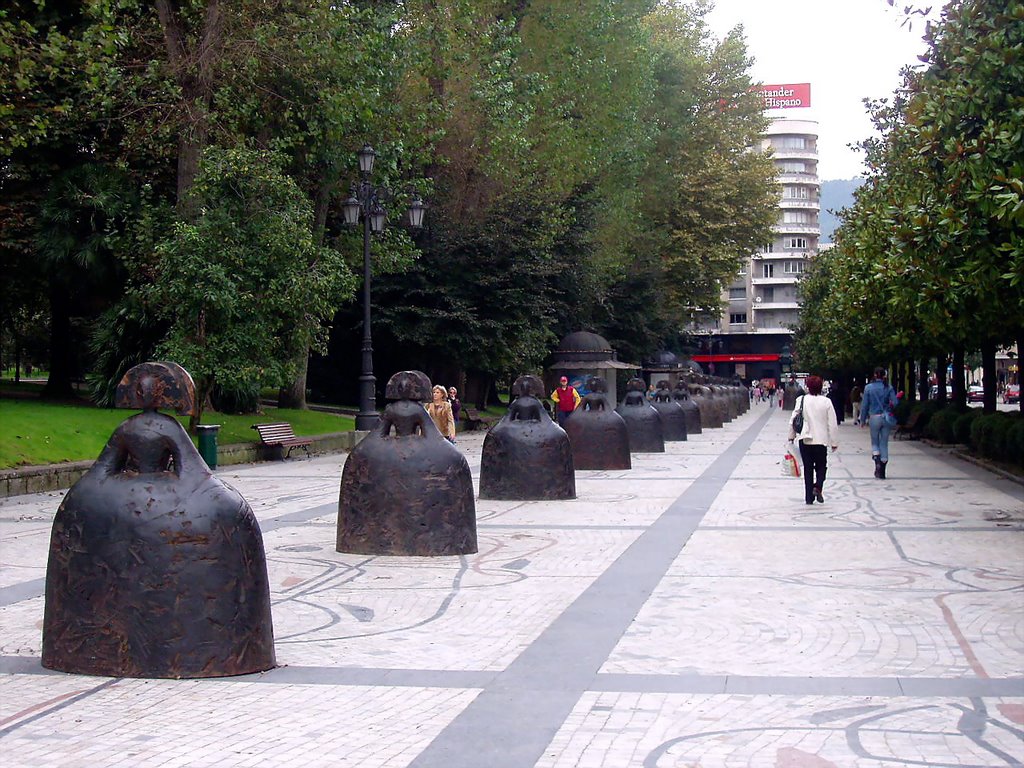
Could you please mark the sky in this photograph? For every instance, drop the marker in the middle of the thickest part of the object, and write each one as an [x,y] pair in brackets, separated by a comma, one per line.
[846,49]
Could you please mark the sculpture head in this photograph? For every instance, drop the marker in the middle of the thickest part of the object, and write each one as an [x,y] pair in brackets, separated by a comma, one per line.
[409,385]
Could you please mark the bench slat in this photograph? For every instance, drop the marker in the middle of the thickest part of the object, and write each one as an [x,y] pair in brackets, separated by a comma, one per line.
[281,434]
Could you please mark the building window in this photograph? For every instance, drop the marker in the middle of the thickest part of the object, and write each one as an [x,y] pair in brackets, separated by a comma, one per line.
[767,270]
[797,242]
[738,318]
[794,267]
[791,192]
[796,217]
[790,166]
[737,293]
[768,294]
[768,248]
[793,142]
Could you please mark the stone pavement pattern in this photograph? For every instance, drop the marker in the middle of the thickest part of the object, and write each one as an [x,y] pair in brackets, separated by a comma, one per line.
[692,611]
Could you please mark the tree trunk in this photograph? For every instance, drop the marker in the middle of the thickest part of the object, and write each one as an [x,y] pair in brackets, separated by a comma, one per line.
[922,379]
[17,358]
[194,69]
[941,362]
[293,395]
[911,388]
[1020,348]
[959,388]
[203,389]
[58,385]
[988,375]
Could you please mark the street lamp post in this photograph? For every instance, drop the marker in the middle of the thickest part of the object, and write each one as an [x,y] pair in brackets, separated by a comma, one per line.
[365,201]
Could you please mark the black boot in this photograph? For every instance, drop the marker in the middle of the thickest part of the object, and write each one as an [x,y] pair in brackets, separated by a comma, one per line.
[881,469]
[878,466]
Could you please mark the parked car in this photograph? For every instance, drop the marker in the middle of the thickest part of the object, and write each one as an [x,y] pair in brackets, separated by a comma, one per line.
[976,393]
[1012,394]
[933,393]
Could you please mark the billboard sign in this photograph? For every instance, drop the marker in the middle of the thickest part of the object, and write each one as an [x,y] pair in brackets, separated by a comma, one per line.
[786,96]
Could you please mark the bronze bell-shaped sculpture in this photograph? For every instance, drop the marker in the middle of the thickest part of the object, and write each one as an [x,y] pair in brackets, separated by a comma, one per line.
[710,414]
[681,394]
[643,422]
[526,455]
[790,394]
[409,492]
[597,433]
[673,418]
[156,568]
[724,402]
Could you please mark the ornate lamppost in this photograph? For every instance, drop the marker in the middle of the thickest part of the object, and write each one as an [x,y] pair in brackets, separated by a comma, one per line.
[364,201]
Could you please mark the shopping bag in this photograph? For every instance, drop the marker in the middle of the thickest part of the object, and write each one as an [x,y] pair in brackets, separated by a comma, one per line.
[790,467]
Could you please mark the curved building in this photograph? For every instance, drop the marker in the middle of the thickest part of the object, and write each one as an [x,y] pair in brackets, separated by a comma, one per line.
[753,337]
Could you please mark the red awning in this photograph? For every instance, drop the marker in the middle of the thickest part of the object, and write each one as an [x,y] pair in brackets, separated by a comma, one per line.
[736,358]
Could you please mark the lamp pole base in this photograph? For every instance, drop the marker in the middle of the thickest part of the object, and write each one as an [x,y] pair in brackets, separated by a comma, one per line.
[367,421]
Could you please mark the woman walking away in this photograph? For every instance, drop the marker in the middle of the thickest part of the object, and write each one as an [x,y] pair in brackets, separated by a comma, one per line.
[820,430]
[441,413]
[878,401]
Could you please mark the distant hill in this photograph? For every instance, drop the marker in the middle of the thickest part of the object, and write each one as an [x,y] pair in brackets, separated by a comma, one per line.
[835,195]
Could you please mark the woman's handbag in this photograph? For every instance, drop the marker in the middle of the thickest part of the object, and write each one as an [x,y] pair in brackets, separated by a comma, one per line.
[790,467]
[887,415]
[798,418]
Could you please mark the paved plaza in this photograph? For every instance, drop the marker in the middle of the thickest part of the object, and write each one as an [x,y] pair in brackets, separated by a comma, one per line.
[692,611]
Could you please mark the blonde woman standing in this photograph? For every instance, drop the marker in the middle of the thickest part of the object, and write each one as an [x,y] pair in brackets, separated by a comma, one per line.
[440,411]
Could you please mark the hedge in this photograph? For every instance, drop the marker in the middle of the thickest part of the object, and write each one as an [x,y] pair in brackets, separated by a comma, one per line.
[940,425]
[962,426]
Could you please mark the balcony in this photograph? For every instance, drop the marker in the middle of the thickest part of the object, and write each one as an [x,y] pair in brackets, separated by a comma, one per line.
[773,329]
[795,202]
[763,306]
[789,177]
[797,229]
[783,280]
[789,153]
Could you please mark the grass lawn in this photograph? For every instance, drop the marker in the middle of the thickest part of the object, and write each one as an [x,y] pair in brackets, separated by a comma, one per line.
[39,432]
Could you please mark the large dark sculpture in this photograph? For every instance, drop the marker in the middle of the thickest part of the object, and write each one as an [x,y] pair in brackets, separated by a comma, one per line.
[643,422]
[597,433]
[526,455]
[156,567]
[726,400]
[673,417]
[681,394]
[409,492]
[711,416]
[789,395]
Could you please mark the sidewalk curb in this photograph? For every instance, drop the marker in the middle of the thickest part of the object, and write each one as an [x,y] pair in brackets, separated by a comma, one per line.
[960,452]
[19,481]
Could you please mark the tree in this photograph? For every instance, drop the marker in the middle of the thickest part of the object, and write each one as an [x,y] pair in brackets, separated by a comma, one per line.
[936,230]
[243,276]
[82,223]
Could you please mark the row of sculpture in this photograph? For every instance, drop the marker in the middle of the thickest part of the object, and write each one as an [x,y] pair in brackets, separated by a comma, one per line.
[157,568]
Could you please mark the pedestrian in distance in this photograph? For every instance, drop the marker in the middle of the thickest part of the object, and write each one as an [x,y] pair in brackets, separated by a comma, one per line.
[440,411]
[820,429]
[876,413]
[456,404]
[837,394]
[856,396]
[566,400]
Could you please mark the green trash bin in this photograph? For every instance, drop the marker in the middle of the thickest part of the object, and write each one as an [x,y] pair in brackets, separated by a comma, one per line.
[208,443]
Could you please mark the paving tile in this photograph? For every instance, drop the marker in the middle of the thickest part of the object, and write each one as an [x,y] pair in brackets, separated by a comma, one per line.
[692,611]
